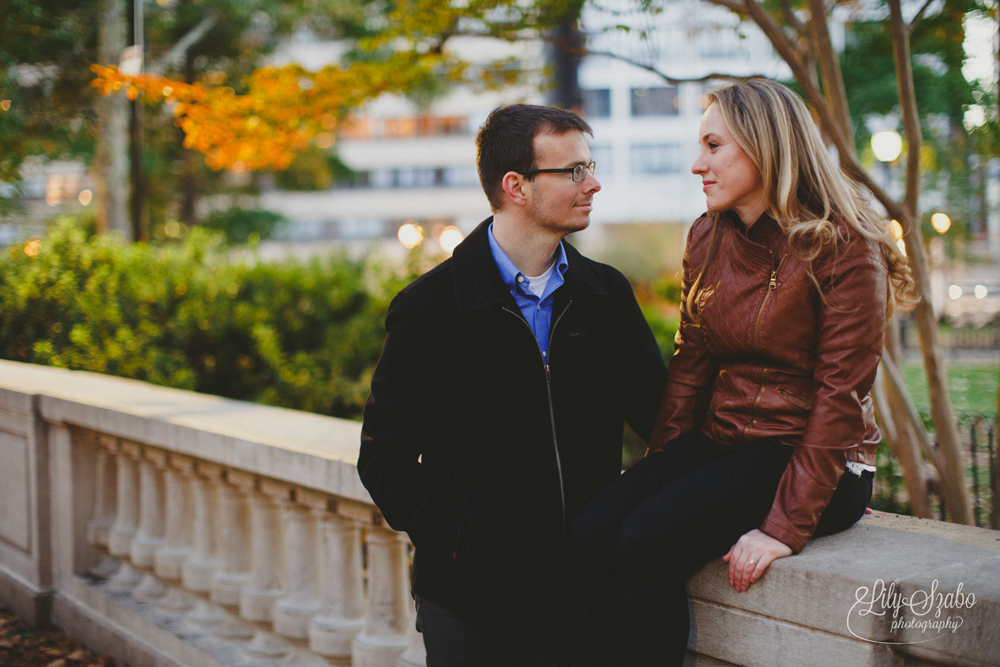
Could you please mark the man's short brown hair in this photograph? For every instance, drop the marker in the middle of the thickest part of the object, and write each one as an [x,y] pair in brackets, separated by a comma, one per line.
[506,142]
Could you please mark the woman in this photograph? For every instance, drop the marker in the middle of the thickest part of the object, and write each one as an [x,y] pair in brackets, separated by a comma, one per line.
[766,434]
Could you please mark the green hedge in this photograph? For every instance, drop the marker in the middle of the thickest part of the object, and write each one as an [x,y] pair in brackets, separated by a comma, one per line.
[299,335]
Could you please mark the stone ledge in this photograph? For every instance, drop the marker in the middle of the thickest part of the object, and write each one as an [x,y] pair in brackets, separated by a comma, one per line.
[815,591]
[30,603]
[131,633]
[261,439]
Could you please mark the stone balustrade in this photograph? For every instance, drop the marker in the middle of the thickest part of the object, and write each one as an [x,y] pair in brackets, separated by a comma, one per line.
[164,527]
[169,528]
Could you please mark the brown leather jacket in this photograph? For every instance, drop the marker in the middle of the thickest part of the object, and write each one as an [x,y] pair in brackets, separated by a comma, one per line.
[768,356]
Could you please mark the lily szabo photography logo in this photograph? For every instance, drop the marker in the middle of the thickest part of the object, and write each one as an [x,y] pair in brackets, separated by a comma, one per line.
[922,616]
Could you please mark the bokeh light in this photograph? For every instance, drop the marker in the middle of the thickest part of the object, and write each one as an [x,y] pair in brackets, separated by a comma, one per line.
[410,234]
[887,145]
[940,222]
[450,237]
[897,229]
[85,197]
[981,291]
[955,292]
[33,247]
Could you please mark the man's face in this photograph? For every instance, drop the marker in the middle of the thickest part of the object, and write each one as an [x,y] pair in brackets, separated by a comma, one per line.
[553,201]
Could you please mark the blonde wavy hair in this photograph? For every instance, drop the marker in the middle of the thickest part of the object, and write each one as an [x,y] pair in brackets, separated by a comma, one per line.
[806,193]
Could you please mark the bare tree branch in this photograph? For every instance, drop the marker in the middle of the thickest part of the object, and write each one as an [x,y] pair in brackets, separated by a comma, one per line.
[920,14]
[829,66]
[803,76]
[895,376]
[953,481]
[734,5]
[651,68]
[786,8]
[176,54]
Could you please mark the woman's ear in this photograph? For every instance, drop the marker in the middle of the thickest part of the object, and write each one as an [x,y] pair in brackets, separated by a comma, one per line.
[514,186]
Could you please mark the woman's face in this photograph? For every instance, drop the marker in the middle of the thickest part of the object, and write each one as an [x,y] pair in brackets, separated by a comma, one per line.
[728,176]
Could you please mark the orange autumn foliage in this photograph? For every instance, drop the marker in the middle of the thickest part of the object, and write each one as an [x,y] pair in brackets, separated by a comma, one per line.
[280,109]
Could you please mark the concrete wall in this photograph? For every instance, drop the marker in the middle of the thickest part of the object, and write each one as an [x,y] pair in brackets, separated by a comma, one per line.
[834,604]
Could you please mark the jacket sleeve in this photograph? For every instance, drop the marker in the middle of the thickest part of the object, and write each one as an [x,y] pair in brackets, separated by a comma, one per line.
[644,371]
[851,327]
[401,421]
[691,370]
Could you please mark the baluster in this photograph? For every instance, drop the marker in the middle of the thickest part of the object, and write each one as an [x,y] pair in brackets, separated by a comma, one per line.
[415,654]
[149,535]
[234,553]
[265,586]
[343,614]
[197,571]
[169,560]
[293,612]
[126,514]
[387,626]
[103,516]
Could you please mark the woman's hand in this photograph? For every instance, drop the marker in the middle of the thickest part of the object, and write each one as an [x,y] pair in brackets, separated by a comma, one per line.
[750,556]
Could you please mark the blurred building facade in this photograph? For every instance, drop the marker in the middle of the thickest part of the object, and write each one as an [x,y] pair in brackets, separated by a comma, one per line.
[418,164]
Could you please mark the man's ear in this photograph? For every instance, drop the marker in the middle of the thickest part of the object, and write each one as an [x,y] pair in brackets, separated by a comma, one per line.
[514,185]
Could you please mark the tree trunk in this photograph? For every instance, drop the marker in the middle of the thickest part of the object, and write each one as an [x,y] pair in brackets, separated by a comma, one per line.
[829,66]
[956,495]
[566,52]
[189,177]
[138,180]
[111,162]
[903,441]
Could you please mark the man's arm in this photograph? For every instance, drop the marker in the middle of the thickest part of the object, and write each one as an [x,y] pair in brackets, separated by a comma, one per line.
[643,368]
[401,422]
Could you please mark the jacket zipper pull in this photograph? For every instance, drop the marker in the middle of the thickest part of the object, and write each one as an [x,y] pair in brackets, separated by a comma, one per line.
[548,375]
[774,280]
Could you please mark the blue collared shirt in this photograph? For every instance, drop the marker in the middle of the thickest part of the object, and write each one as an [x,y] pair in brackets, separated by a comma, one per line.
[537,311]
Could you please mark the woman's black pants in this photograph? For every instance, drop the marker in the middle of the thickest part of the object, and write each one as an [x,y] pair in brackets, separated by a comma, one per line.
[638,541]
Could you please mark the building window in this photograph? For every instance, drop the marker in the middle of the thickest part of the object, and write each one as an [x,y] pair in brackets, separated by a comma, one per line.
[659,101]
[596,103]
[411,177]
[433,127]
[655,159]
[602,155]
[459,177]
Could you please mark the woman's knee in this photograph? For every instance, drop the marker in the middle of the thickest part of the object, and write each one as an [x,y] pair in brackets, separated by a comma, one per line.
[637,546]
[592,541]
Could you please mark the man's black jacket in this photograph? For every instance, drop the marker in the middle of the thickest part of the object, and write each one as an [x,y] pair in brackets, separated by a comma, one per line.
[457,447]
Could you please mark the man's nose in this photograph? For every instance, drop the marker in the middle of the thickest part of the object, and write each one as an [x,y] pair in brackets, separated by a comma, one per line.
[595,186]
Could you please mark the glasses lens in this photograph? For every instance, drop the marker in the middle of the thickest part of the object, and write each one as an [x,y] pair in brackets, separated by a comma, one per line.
[580,171]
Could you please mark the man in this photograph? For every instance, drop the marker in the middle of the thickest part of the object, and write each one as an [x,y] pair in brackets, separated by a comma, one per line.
[497,407]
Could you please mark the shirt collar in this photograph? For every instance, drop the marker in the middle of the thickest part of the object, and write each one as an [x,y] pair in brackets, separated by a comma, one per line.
[509,272]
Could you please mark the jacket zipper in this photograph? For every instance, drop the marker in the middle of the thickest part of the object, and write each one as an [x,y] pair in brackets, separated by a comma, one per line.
[552,410]
[771,286]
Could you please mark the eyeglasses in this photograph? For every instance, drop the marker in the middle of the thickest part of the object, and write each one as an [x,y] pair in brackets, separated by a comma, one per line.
[579,171]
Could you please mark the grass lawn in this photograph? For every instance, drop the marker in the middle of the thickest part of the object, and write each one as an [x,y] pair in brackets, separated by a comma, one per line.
[972,385]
